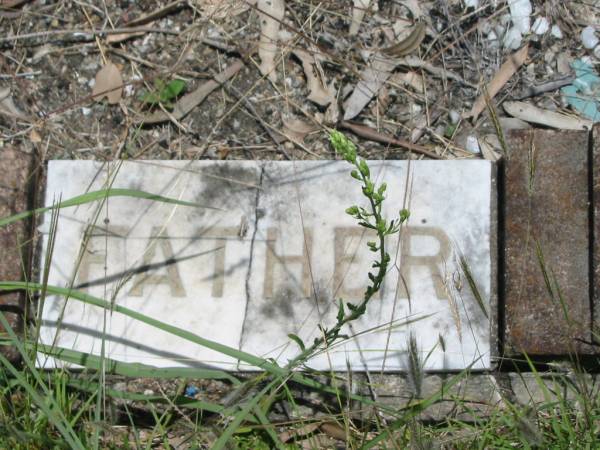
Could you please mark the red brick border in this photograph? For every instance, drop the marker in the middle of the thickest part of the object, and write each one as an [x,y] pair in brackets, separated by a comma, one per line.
[15,172]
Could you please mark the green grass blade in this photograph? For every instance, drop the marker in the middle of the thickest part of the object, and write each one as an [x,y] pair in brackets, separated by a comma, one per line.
[101,195]
[268,427]
[53,415]
[184,334]
[224,349]
[114,367]
[241,415]
[47,403]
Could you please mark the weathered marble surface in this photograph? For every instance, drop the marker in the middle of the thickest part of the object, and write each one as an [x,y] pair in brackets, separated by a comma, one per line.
[270,255]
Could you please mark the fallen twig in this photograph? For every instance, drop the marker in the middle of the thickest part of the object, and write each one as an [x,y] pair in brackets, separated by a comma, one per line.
[374,135]
[157,14]
[84,34]
[550,86]
[415,62]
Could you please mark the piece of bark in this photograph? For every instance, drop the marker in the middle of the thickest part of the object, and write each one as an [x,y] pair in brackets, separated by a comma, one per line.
[533,114]
[507,70]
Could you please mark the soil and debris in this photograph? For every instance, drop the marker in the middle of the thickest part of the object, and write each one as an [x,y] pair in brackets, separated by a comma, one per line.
[264,79]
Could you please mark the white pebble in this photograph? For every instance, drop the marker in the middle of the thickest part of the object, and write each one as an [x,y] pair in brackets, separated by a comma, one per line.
[512,39]
[454,116]
[365,55]
[588,37]
[520,10]
[472,144]
[556,32]
[86,111]
[540,25]
[284,35]
[415,109]
[471,3]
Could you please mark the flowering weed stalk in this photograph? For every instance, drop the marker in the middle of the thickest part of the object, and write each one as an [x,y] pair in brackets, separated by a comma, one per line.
[371,219]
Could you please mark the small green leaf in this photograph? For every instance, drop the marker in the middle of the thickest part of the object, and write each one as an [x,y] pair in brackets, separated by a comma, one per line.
[364,168]
[404,215]
[163,92]
[340,314]
[382,188]
[172,90]
[449,131]
[356,175]
[298,341]
[352,211]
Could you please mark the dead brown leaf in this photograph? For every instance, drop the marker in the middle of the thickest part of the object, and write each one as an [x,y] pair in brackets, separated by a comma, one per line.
[371,80]
[319,92]
[411,79]
[7,106]
[286,435]
[507,70]
[108,84]
[334,430]
[297,129]
[358,13]
[34,136]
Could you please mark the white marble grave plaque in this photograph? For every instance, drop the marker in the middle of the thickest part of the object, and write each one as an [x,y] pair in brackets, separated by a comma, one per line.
[270,254]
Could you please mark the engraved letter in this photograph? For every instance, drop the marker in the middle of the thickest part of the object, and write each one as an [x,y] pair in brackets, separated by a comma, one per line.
[171,278]
[432,262]
[221,234]
[345,258]
[274,260]
[94,253]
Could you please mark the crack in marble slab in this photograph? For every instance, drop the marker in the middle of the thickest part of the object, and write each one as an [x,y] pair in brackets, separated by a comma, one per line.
[257,217]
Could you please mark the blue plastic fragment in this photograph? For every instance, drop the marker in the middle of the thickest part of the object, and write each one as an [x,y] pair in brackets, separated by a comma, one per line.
[191,390]
[584,94]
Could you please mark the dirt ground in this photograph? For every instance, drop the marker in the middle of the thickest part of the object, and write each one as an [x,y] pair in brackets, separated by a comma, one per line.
[51,54]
